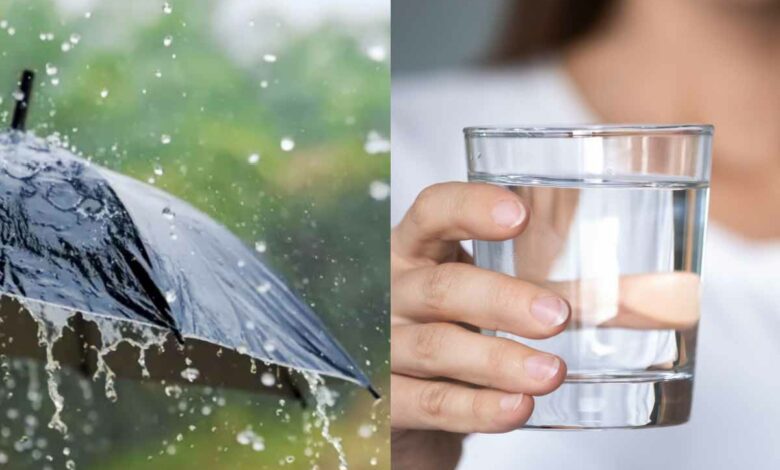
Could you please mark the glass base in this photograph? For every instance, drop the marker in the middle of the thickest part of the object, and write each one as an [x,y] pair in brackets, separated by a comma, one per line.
[615,402]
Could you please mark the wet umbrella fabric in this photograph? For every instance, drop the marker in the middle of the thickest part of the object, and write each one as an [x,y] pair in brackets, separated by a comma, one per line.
[84,237]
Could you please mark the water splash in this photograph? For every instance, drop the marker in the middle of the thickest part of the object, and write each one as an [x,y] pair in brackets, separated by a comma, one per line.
[324,399]
[51,322]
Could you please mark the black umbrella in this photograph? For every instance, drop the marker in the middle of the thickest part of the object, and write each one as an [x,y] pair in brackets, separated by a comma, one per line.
[115,259]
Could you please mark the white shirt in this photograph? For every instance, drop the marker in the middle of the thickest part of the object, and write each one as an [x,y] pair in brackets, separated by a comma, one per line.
[735,422]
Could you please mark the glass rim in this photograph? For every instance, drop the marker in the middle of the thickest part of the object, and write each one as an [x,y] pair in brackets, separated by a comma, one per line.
[589,130]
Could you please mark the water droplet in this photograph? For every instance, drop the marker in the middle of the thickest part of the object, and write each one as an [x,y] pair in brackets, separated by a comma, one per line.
[374,461]
[270,58]
[55,81]
[269,346]
[260,246]
[170,296]
[158,170]
[287,144]
[88,14]
[167,41]
[206,410]
[158,73]
[51,69]
[179,437]
[70,465]
[241,263]
[376,53]
[18,95]
[263,83]
[253,159]
[165,139]
[104,93]
[379,190]
[75,38]
[244,437]
[268,379]
[289,459]
[11,31]
[3,458]
[65,47]
[167,8]
[263,287]
[173,391]
[66,451]
[190,374]
[376,143]
[366,430]
[168,213]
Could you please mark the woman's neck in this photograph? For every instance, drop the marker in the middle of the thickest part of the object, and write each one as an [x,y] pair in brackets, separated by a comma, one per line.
[698,61]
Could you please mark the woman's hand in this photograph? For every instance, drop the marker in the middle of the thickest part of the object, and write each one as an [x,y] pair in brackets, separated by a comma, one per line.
[447,379]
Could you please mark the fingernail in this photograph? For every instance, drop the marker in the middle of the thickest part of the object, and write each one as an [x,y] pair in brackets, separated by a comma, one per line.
[542,367]
[508,213]
[511,402]
[551,311]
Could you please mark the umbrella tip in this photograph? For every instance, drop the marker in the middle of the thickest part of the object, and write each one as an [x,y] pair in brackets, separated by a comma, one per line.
[23,96]
[374,393]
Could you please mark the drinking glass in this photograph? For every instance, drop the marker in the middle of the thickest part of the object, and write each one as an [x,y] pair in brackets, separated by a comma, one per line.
[616,223]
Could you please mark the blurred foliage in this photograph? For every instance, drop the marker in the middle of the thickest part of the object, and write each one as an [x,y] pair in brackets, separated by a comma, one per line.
[118,89]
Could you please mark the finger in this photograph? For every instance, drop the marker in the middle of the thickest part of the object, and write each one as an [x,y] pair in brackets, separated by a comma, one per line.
[448,212]
[446,350]
[458,292]
[423,404]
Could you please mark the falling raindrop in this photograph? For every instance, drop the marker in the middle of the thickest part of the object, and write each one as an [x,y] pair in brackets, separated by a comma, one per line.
[366,430]
[18,95]
[173,391]
[253,159]
[75,38]
[65,46]
[190,374]
[158,73]
[287,144]
[260,246]
[376,53]
[51,69]
[379,190]
[11,31]
[167,8]
[158,169]
[264,84]
[170,296]
[270,58]
[70,465]
[165,139]
[268,379]
[55,81]
[167,41]
[104,93]
[376,143]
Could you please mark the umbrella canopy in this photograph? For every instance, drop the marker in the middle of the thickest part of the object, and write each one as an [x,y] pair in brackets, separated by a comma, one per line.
[75,237]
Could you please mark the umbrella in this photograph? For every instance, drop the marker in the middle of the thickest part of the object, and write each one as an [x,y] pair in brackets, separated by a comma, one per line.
[114,259]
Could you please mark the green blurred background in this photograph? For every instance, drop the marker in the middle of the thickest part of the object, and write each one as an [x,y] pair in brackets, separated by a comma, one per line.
[199,98]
